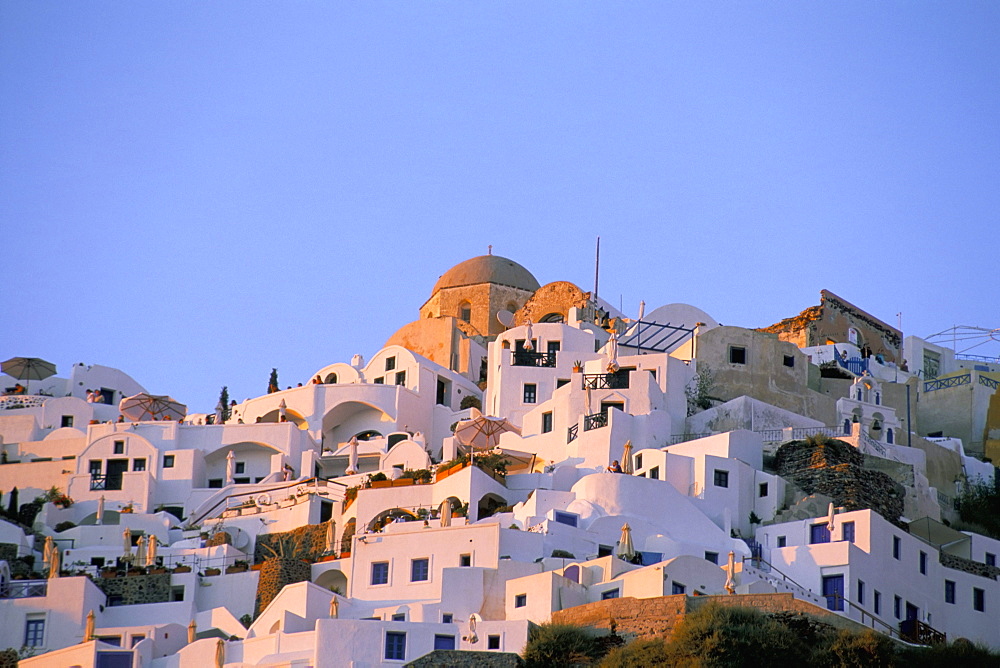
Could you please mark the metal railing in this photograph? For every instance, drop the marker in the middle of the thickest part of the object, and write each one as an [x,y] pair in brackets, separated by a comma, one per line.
[805,432]
[105,482]
[916,631]
[605,381]
[595,421]
[532,358]
[655,337]
[572,433]
[263,490]
[989,382]
[684,438]
[873,444]
[25,589]
[977,358]
[942,383]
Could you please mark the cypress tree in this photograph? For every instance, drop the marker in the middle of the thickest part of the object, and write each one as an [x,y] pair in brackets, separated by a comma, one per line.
[272,384]
[224,402]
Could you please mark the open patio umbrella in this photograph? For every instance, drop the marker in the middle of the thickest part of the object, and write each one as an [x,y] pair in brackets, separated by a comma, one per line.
[731,573]
[627,458]
[192,632]
[625,550]
[480,432]
[100,510]
[144,406]
[28,368]
[88,630]
[528,345]
[151,551]
[352,459]
[127,543]
[55,563]
[613,365]
[230,467]
[50,546]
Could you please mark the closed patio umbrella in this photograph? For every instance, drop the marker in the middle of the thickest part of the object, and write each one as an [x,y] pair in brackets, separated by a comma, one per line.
[625,550]
[144,406]
[352,458]
[230,467]
[220,653]
[151,551]
[28,368]
[100,510]
[627,458]
[218,413]
[329,545]
[55,562]
[613,353]
[282,410]
[731,573]
[192,632]
[50,545]
[830,519]
[127,544]
[334,607]
[446,513]
[140,552]
[88,630]
[528,345]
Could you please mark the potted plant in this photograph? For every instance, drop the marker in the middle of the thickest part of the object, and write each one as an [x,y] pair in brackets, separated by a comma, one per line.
[182,568]
[239,566]
[577,366]
[127,508]
[212,571]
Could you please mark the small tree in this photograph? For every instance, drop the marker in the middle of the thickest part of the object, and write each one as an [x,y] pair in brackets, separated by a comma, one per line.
[224,402]
[698,391]
[272,383]
[12,504]
[470,401]
[559,645]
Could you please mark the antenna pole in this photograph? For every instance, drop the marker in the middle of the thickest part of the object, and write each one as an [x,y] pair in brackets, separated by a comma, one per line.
[597,268]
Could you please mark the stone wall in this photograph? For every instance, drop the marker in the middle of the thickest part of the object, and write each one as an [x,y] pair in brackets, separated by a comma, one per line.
[8,552]
[306,542]
[836,469]
[134,589]
[457,658]
[969,566]
[275,574]
[558,297]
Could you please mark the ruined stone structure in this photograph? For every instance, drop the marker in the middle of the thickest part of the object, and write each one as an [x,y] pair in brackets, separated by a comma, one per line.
[552,302]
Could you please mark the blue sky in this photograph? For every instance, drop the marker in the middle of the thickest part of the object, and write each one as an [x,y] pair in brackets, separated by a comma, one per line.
[197,192]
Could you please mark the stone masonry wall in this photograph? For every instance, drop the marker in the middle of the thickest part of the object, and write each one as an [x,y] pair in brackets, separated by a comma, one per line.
[274,575]
[305,542]
[135,589]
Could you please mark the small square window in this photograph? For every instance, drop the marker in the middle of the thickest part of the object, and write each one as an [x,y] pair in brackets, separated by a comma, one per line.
[520,600]
[465,560]
[119,447]
[530,393]
[546,422]
[949,591]
[782,541]
[401,377]
[67,421]
[789,360]
[399,617]
[654,473]
[562,381]
[380,572]
[677,588]
[379,381]
[395,646]
[721,478]
[241,467]
[737,355]
[713,557]
[492,642]
[991,559]
[139,464]
[762,489]
[168,461]
[978,599]
[420,570]
[611,593]
[390,363]
[447,618]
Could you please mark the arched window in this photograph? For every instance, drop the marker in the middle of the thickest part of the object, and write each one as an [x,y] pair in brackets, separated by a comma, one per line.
[878,398]
[552,317]
[331,379]
[847,426]
[572,573]
[465,311]
[889,436]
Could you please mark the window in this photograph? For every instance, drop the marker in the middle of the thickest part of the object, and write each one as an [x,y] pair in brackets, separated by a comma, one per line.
[399,617]
[562,381]
[447,618]
[789,360]
[638,461]
[654,473]
[139,464]
[848,531]
[978,599]
[465,312]
[897,547]
[604,550]
[737,355]
[713,557]
[401,377]
[610,593]
[762,489]
[546,422]
[34,631]
[444,642]
[96,466]
[395,645]
[67,421]
[949,591]
[520,600]
[897,606]
[136,639]
[465,560]
[877,602]
[530,393]
[492,642]
[390,363]
[380,573]
[379,381]
[677,588]
[553,347]
[721,478]
[569,519]
[782,541]
[241,467]
[168,461]
[991,559]
[119,447]
[923,563]
[861,592]
[819,533]
[420,570]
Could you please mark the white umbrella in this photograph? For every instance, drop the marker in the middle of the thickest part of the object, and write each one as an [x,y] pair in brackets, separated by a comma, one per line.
[282,410]
[151,551]
[230,467]
[446,513]
[88,630]
[480,432]
[50,546]
[627,458]
[830,520]
[144,406]
[127,540]
[218,412]
[55,561]
[613,365]
[140,551]
[329,545]
[528,345]
[588,398]
[731,573]
[625,549]
[642,310]
[334,607]
[100,510]
[352,460]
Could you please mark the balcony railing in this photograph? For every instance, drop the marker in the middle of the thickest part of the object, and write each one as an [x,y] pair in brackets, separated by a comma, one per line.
[605,381]
[105,482]
[572,433]
[942,383]
[916,631]
[595,421]
[25,589]
[532,358]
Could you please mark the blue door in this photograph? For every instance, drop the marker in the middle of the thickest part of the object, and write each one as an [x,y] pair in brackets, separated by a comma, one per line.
[833,589]
[819,533]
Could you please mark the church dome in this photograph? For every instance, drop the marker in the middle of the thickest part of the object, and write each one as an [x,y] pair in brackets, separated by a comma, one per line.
[487,269]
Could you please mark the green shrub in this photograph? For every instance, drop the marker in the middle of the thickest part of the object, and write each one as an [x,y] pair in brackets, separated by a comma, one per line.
[559,645]
[62,526]
[961,652]
[856,650]
[470,401]
[563,554]
[716,635]
[639,654]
